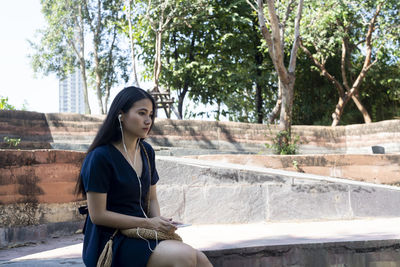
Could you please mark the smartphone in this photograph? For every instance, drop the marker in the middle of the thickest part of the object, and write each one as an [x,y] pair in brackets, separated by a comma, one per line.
[180,225]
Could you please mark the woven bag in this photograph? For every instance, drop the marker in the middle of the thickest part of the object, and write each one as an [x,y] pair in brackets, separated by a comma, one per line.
[150,234]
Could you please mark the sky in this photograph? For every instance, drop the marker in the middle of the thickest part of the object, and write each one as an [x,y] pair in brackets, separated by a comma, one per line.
[18,22]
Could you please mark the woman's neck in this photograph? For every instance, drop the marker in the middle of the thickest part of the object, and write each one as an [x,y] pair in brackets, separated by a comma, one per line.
[130,143]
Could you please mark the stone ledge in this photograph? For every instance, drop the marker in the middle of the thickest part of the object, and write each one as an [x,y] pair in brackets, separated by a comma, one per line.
[354,254]
[356,243]
[14,236]
[53,128]
[206,188]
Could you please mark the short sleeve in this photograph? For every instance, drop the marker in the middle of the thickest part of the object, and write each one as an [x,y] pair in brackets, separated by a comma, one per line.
[153,171]
[96,172]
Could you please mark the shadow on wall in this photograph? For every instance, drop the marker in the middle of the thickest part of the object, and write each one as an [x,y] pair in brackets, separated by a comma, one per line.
[209,135]
[69,131]
[19,123]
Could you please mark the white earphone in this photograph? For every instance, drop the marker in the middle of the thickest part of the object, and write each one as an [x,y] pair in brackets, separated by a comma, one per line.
[139,182]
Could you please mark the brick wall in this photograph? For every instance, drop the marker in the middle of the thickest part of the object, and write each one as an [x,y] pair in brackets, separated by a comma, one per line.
[75,132]
[38,186]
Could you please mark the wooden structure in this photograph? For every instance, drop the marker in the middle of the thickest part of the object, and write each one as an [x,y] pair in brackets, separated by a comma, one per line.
[163,100]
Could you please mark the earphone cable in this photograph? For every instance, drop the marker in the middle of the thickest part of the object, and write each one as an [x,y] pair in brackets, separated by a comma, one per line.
[140,184]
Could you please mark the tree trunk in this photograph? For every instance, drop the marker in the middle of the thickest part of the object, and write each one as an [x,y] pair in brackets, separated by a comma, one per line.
[361,108]
[106,97]
[132,44]
[157,61]
[182,94]
[259,104]
[98,81]
[96,42]
[285,119]
[181,98]
[277,108]
[337,114]
[85,87]
[109,73]
[218,115]
[259,95]
[81,55]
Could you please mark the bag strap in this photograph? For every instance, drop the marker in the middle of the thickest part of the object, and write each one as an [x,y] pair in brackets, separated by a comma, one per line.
[149,164]
[147,157]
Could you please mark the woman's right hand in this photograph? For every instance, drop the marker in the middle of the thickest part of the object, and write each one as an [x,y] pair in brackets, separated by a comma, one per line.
[162,224]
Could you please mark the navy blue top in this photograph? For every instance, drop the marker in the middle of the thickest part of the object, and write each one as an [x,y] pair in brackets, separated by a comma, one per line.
[105,170]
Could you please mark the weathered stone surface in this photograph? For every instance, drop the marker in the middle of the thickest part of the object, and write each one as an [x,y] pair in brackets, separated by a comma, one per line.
[173,171]
[172,199]
[367,202]
[194,191]
[383,253]
[308,202]
[74,131]
[11,236]
[39,176]
[380,169]
[228,204]
[23,214]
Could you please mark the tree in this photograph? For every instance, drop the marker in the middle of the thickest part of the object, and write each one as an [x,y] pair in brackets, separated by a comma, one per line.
[62,44]
[221,63]
[129,17]
[4,105]
[362,31]
[160,16]
[101,18]
[273,29]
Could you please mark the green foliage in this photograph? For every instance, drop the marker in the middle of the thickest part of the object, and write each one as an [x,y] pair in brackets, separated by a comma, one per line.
[53,51]
[11,141]
[296,165]
[213,54]
[219,63]
[85,35]
[283,144]
[328,25]
[4,105]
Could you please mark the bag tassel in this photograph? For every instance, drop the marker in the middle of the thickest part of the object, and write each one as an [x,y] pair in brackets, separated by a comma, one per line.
[105,258]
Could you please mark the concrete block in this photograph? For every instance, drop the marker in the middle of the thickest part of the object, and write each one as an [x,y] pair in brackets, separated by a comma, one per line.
[336,254]
[374,202]
[225,204]
[172,201]
[172,172]
[308,202]
[23,214]
[36,233]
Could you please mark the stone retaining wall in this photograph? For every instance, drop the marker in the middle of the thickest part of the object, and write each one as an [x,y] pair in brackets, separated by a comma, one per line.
[376,253]
[37,189]
[37,197]
[379,169]
[75,132]
[206,192]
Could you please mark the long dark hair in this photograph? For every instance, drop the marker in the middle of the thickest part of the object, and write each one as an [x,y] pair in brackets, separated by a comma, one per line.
[109,131]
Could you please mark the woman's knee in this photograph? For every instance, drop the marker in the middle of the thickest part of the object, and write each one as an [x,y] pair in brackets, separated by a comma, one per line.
[174,254]
[202,260]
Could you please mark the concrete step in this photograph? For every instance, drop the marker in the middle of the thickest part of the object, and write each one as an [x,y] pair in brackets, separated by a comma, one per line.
[356,243]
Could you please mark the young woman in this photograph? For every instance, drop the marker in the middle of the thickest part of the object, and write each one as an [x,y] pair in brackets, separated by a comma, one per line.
[120,186]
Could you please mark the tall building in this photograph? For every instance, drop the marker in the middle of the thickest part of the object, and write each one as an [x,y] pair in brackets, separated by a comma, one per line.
[71,94]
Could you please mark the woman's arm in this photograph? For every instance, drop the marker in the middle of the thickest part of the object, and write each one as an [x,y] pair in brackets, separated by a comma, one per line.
[97,203]
[154,209]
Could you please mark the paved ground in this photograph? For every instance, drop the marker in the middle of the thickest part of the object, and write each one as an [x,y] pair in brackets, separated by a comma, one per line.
[66,251]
